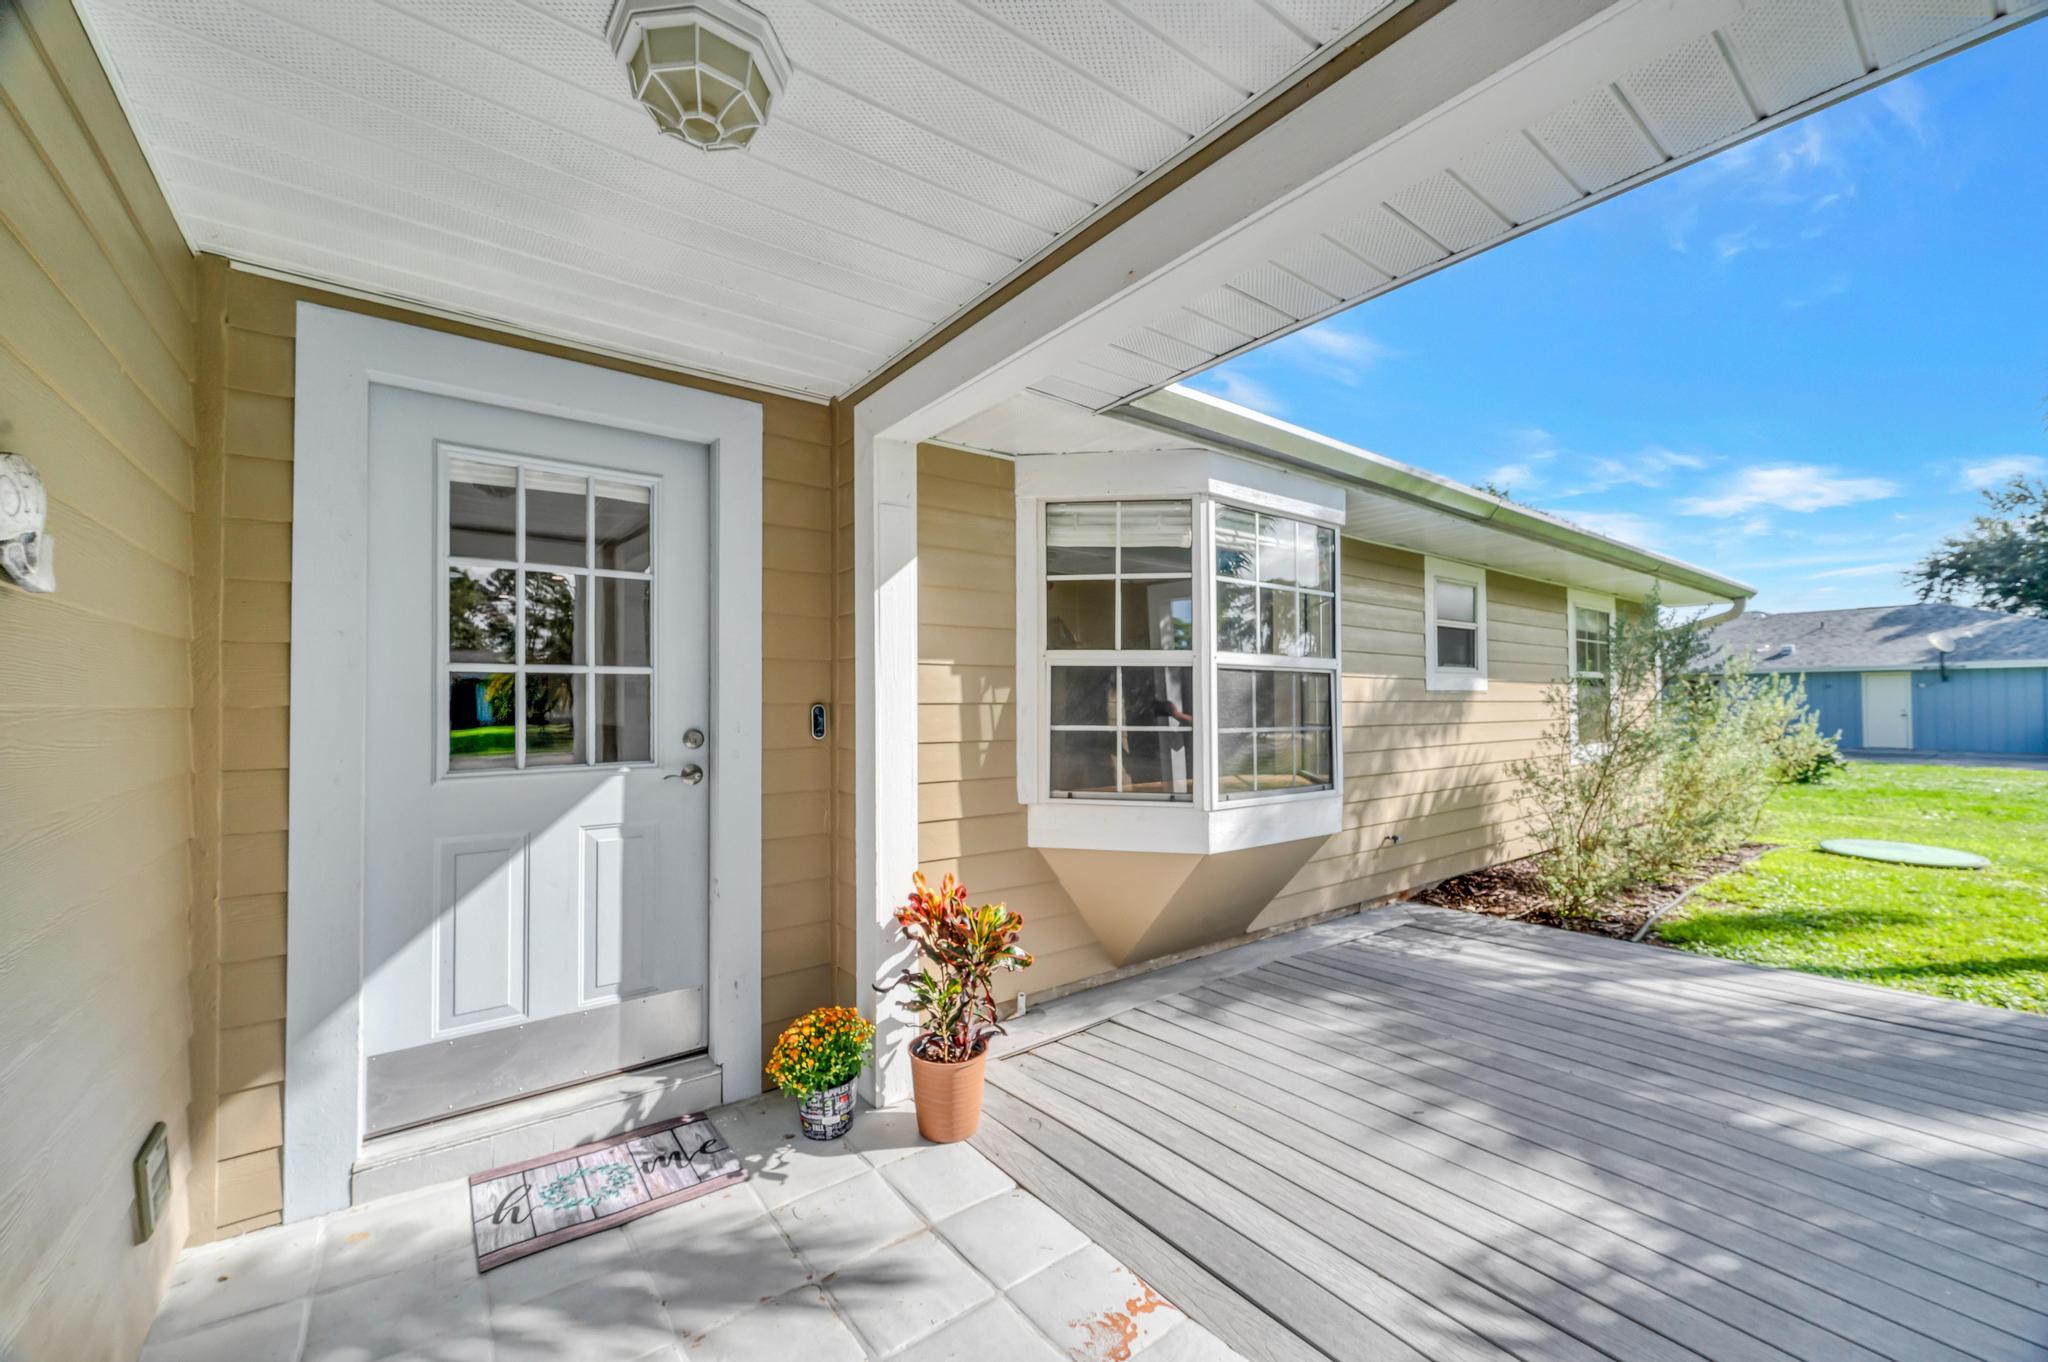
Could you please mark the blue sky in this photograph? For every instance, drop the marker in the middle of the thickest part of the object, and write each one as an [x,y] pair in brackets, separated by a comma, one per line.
[1793,363]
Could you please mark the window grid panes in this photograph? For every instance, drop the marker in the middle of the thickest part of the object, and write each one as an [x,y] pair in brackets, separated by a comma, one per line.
[1119,576]
[1274,731]
[1276,585]
[1592,644]
[1122,731]
[549,617]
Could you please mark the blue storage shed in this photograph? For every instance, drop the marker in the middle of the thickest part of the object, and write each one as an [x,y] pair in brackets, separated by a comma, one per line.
[1926,677]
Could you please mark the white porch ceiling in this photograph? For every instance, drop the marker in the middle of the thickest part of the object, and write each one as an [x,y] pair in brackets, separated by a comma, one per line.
[482,156]
[1581,119]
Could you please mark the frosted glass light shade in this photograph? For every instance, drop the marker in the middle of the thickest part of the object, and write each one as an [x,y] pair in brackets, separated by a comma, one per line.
[707,71]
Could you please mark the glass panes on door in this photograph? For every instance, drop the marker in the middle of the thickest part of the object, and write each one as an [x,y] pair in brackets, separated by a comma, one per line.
[550,617]
[1273,731]
[1276,585]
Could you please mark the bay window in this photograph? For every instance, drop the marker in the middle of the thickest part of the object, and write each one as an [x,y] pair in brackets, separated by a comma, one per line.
[1178,662]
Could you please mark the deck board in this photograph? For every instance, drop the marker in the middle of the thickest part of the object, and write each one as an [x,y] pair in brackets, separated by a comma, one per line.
[1461,1138]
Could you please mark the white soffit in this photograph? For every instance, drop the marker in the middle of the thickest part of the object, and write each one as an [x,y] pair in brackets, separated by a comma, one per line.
[483,156]
[1632,93]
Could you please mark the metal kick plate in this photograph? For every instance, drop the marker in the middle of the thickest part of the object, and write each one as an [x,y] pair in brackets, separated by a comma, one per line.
[448,1077]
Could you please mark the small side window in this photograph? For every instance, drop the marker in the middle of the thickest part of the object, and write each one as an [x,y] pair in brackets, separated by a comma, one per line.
[1454,625]
[1592,644]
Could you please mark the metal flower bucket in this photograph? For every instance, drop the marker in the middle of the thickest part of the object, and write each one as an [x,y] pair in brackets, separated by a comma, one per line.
[828,1114]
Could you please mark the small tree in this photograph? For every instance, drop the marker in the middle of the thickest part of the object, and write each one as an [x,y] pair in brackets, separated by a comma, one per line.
[2002,562]
[1588,801]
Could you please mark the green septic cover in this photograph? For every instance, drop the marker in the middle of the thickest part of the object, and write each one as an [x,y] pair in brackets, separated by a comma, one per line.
[1905,853]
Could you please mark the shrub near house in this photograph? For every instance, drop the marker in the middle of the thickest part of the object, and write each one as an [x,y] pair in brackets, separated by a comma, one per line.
[1689,757]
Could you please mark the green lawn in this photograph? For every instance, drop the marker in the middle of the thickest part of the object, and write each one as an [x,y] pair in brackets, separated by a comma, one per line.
[1979,935]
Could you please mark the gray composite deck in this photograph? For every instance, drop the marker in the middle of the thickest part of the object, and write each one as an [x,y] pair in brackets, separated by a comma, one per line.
[1461,1138]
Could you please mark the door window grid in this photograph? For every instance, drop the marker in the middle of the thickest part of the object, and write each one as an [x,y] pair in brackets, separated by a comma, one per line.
[548,643]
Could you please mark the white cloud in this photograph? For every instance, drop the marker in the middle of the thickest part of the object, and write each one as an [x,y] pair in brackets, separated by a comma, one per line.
[1866,570]
[1788,487]
[1993,472]
[1650,466]
[1626,526]
[1332,351]
[1512,475]
[1906,100]
[1831,285]
[1809,149]
[1728,245]
[1235,387]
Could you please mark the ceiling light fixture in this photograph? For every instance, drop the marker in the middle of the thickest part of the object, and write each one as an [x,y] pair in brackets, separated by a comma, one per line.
[706,70]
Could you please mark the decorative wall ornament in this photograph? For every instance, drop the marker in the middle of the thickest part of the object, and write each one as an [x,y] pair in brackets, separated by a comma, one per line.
[708,71]
[26,554]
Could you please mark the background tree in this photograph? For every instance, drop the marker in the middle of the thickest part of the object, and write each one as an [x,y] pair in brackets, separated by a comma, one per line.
[2002,561]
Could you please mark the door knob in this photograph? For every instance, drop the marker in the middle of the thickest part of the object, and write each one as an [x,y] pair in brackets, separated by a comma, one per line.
[692,774]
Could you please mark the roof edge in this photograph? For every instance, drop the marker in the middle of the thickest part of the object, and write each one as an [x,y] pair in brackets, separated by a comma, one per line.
[1211,420]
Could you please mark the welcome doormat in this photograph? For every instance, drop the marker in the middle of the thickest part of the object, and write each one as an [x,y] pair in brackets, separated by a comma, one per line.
[527,1207]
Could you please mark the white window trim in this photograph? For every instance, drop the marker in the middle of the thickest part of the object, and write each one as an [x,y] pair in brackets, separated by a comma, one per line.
[1206,824]
[340,354]
[1574,599]
[1437,677]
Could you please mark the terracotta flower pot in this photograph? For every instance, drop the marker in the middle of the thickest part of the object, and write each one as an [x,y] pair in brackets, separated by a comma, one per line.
[948,1096]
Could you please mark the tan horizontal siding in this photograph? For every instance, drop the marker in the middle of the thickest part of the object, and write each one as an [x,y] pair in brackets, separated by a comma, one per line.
[97,360]
[969,821]
[241,991]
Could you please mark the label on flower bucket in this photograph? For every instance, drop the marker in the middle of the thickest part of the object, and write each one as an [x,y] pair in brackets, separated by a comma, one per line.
[829,1114]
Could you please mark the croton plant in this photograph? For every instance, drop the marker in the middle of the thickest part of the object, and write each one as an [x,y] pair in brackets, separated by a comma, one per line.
[960,949]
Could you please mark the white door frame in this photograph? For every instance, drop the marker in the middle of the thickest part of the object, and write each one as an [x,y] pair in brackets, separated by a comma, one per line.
[1905,714]
[340,354]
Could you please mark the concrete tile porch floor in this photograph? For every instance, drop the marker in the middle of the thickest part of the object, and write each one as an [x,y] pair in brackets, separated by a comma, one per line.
[876,1246]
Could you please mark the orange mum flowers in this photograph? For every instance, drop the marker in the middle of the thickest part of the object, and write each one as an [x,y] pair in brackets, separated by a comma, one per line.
[821,1049]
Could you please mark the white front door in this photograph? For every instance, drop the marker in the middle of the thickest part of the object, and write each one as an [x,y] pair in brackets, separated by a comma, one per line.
[1887,709]
[537,769]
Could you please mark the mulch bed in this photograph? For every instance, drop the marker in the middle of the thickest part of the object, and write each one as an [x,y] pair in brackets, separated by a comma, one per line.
[1513,891]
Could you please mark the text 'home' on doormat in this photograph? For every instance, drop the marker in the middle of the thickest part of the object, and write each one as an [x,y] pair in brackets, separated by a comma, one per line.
[553,1199]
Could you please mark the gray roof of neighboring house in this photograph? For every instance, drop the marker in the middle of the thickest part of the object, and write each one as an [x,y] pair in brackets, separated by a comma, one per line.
[1883,636]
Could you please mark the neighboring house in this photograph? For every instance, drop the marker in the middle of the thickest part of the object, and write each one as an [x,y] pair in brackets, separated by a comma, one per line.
[800,515]
[1927,677]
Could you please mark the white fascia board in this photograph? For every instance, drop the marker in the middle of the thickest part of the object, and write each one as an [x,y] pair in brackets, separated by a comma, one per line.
[1280,187]
[1197,472]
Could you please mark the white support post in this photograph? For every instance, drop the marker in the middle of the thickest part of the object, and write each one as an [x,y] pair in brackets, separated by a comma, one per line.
[885,738]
